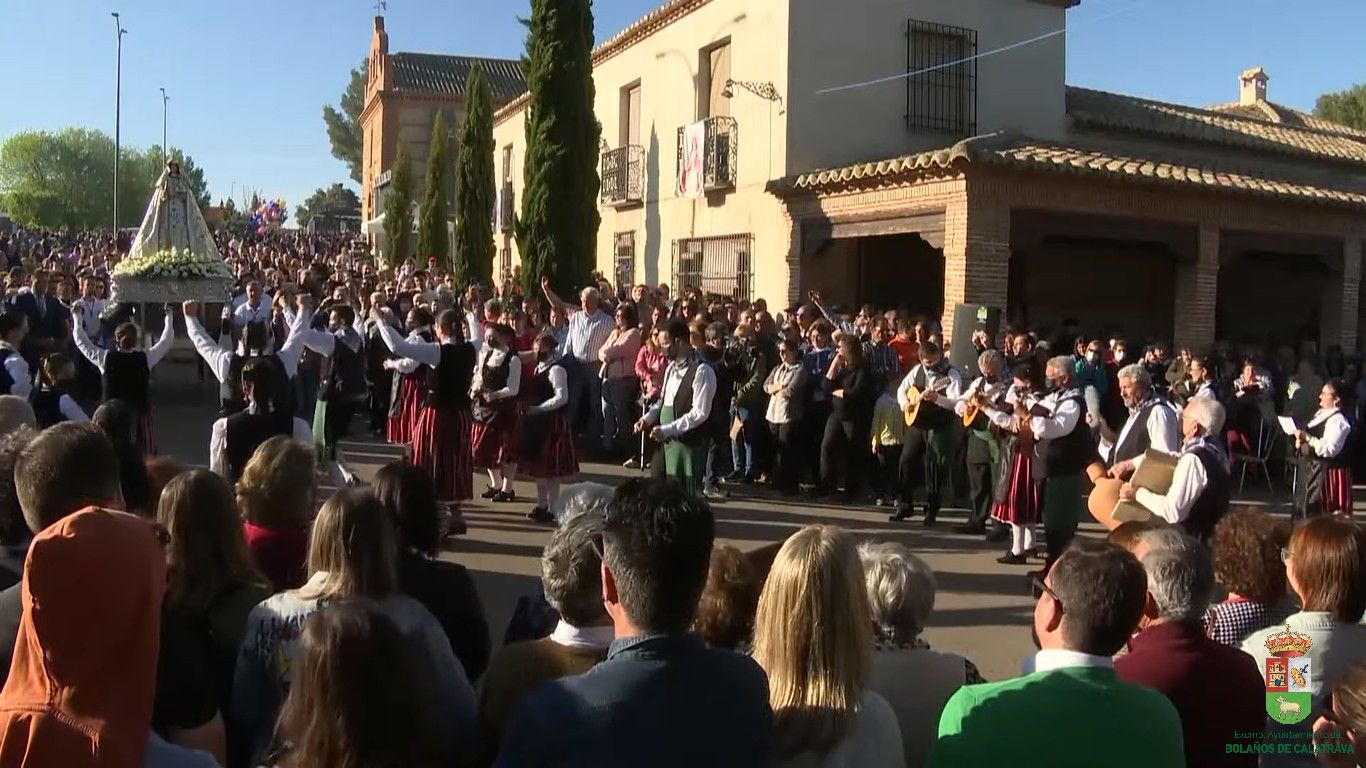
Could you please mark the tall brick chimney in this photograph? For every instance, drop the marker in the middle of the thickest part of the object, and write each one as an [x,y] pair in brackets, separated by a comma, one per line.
[1252,86]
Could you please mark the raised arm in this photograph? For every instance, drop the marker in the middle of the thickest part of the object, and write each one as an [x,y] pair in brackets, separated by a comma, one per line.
[420,351]
[214,355]
[552,297]
[87,348]
[158,350]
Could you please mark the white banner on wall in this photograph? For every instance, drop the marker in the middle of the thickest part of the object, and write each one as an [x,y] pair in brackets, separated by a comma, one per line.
[690,174]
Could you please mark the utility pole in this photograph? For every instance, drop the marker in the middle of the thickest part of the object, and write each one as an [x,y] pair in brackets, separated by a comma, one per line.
[118,93]
[165,150]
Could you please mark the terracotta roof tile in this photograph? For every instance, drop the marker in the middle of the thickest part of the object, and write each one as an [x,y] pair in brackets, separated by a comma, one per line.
[437,73]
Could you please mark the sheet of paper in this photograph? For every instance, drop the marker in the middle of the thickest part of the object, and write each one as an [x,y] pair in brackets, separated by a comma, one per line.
[1155,472]
[1288,425]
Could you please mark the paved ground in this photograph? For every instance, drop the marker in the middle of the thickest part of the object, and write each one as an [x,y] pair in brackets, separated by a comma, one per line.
[983,609]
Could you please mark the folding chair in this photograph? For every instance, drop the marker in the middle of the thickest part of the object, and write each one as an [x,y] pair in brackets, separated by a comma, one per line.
[1260,455]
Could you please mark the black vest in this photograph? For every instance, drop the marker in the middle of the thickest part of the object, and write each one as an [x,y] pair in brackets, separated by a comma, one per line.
[448,384]
[126,376]
[232,388]
[246,431]
[931,416]
[1136,442]
[1344,457]
[1073,452]
[47,408]
[6,380]
[346,377]
[1212,503]
[492,379]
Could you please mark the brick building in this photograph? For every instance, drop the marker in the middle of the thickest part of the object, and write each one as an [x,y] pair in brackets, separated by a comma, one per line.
[403,94]
[981,180]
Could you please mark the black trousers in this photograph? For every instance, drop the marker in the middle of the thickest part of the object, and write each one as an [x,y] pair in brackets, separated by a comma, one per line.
[845,446]
[885,463]
[380,391]
[980,491]
[337,423]
[787,455]
[813,432]
[912,469]
[619,396]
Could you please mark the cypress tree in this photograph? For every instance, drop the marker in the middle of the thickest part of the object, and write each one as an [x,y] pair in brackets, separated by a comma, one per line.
[432,236]
[398,210]
[474,185]
[558,226]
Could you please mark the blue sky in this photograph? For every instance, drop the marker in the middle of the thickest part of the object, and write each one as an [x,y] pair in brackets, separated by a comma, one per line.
[248,80]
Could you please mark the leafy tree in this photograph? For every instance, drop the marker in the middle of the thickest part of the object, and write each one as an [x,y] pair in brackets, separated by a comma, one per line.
[432,237]
[1345,107]
[343,122]
[557,229]
[474,185]
[398,210]
[62,179]
[335,200]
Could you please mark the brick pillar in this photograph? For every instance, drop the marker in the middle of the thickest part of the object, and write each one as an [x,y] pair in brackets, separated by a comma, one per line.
[976,253]
[1197,289]
[1338,313]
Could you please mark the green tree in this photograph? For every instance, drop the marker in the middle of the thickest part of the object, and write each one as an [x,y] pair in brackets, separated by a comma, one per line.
[474,185]
[432,237]
[62,179]
[343,121]
[558,226]
[398,210]
[1345,107]
[335,200]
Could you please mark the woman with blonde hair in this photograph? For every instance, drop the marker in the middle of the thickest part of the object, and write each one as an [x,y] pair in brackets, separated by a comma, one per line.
[813,635]
[276,496]
[351,554]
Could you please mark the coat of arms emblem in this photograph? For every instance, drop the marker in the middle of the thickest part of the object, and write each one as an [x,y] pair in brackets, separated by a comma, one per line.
[1289,676]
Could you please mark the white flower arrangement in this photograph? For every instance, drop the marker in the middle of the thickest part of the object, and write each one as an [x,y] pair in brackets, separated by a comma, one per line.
[173,263]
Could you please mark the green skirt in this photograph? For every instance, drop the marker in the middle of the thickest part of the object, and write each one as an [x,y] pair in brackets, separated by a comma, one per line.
[685,463]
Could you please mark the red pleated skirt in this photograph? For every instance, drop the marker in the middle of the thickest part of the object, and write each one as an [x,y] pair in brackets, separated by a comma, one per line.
[553,456]
[1337,490]
[1023,501]
[441,446]
[494,442]
[411,393]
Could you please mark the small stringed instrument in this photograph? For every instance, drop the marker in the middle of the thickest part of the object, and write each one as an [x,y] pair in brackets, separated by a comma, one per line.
[977,403]
[924,413]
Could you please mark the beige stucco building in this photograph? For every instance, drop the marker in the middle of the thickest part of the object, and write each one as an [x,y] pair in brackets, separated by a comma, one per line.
[860,148]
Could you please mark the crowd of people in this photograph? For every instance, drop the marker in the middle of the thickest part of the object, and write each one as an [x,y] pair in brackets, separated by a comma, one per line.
[242,620]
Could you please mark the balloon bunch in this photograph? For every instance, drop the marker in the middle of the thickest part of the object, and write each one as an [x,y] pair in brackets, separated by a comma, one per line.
[268,216]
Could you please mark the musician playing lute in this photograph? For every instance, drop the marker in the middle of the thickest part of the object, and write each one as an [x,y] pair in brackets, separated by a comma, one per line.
[981,406]
[928,395]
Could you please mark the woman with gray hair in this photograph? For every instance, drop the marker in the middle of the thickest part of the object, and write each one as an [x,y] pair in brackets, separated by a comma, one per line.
[914,679]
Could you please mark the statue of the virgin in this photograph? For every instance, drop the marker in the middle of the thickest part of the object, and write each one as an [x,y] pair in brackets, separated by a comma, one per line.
[173,219]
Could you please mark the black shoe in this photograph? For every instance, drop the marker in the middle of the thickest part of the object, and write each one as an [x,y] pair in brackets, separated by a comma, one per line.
[540,515]
[902,514]
[930,516]
[970,528]
[502,496]
[1010,558]
[734,477]
[490,493]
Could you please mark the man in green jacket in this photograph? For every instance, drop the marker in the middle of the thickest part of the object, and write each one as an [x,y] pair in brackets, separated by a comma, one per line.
[1090,603]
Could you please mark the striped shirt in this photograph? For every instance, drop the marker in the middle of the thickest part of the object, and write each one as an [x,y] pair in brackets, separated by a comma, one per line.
[882,360]
[587,334]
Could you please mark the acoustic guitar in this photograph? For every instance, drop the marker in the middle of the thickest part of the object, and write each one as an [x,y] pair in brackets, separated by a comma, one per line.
[924,413]
[978,403]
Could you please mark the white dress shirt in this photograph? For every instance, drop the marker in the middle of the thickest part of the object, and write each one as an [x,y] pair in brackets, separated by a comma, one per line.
[1163,425]
[219,357]
[97,356]
[991,392]
[1188,480]
[91,309]
[244,313]
[17,368]
[703,390]
[218,441]
[1335,432]
[414,348]
[949,384]
[1061,658]
[494,358]
[474,326]
[1204,389]
[70,411]
[1064,410]
[559,382]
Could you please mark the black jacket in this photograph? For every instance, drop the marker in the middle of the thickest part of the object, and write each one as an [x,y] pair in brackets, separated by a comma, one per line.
[447,591]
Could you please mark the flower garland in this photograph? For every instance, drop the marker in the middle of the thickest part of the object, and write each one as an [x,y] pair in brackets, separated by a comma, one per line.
[174,263]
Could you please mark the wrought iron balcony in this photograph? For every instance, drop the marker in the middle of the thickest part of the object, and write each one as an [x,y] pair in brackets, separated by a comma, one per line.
[719,158]
[623,175]
[506,208]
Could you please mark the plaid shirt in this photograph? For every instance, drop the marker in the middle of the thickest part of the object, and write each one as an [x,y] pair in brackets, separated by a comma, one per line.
[882,360]
[1231,621]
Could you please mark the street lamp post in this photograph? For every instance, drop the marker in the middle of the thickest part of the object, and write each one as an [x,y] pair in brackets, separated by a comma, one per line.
[165,150]
[118,92]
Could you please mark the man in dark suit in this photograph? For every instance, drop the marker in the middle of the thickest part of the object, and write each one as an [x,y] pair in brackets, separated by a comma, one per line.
[662,698]
[1217,689]
[48,320]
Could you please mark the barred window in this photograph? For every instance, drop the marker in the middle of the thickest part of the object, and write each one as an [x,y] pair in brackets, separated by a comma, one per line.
[718,265]
[624,272]
[941,87]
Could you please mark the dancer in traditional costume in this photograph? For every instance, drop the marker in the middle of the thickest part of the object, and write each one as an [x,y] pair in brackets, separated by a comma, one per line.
[343,386]
[234,439]
[126,371]
[257,342]
[1017,498]
[441,435]
[52,402]
[1067,448]
[1323,483]
[493,393]
[410,380]
[985,397]
[927,395]
[547,440]
[680,420]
